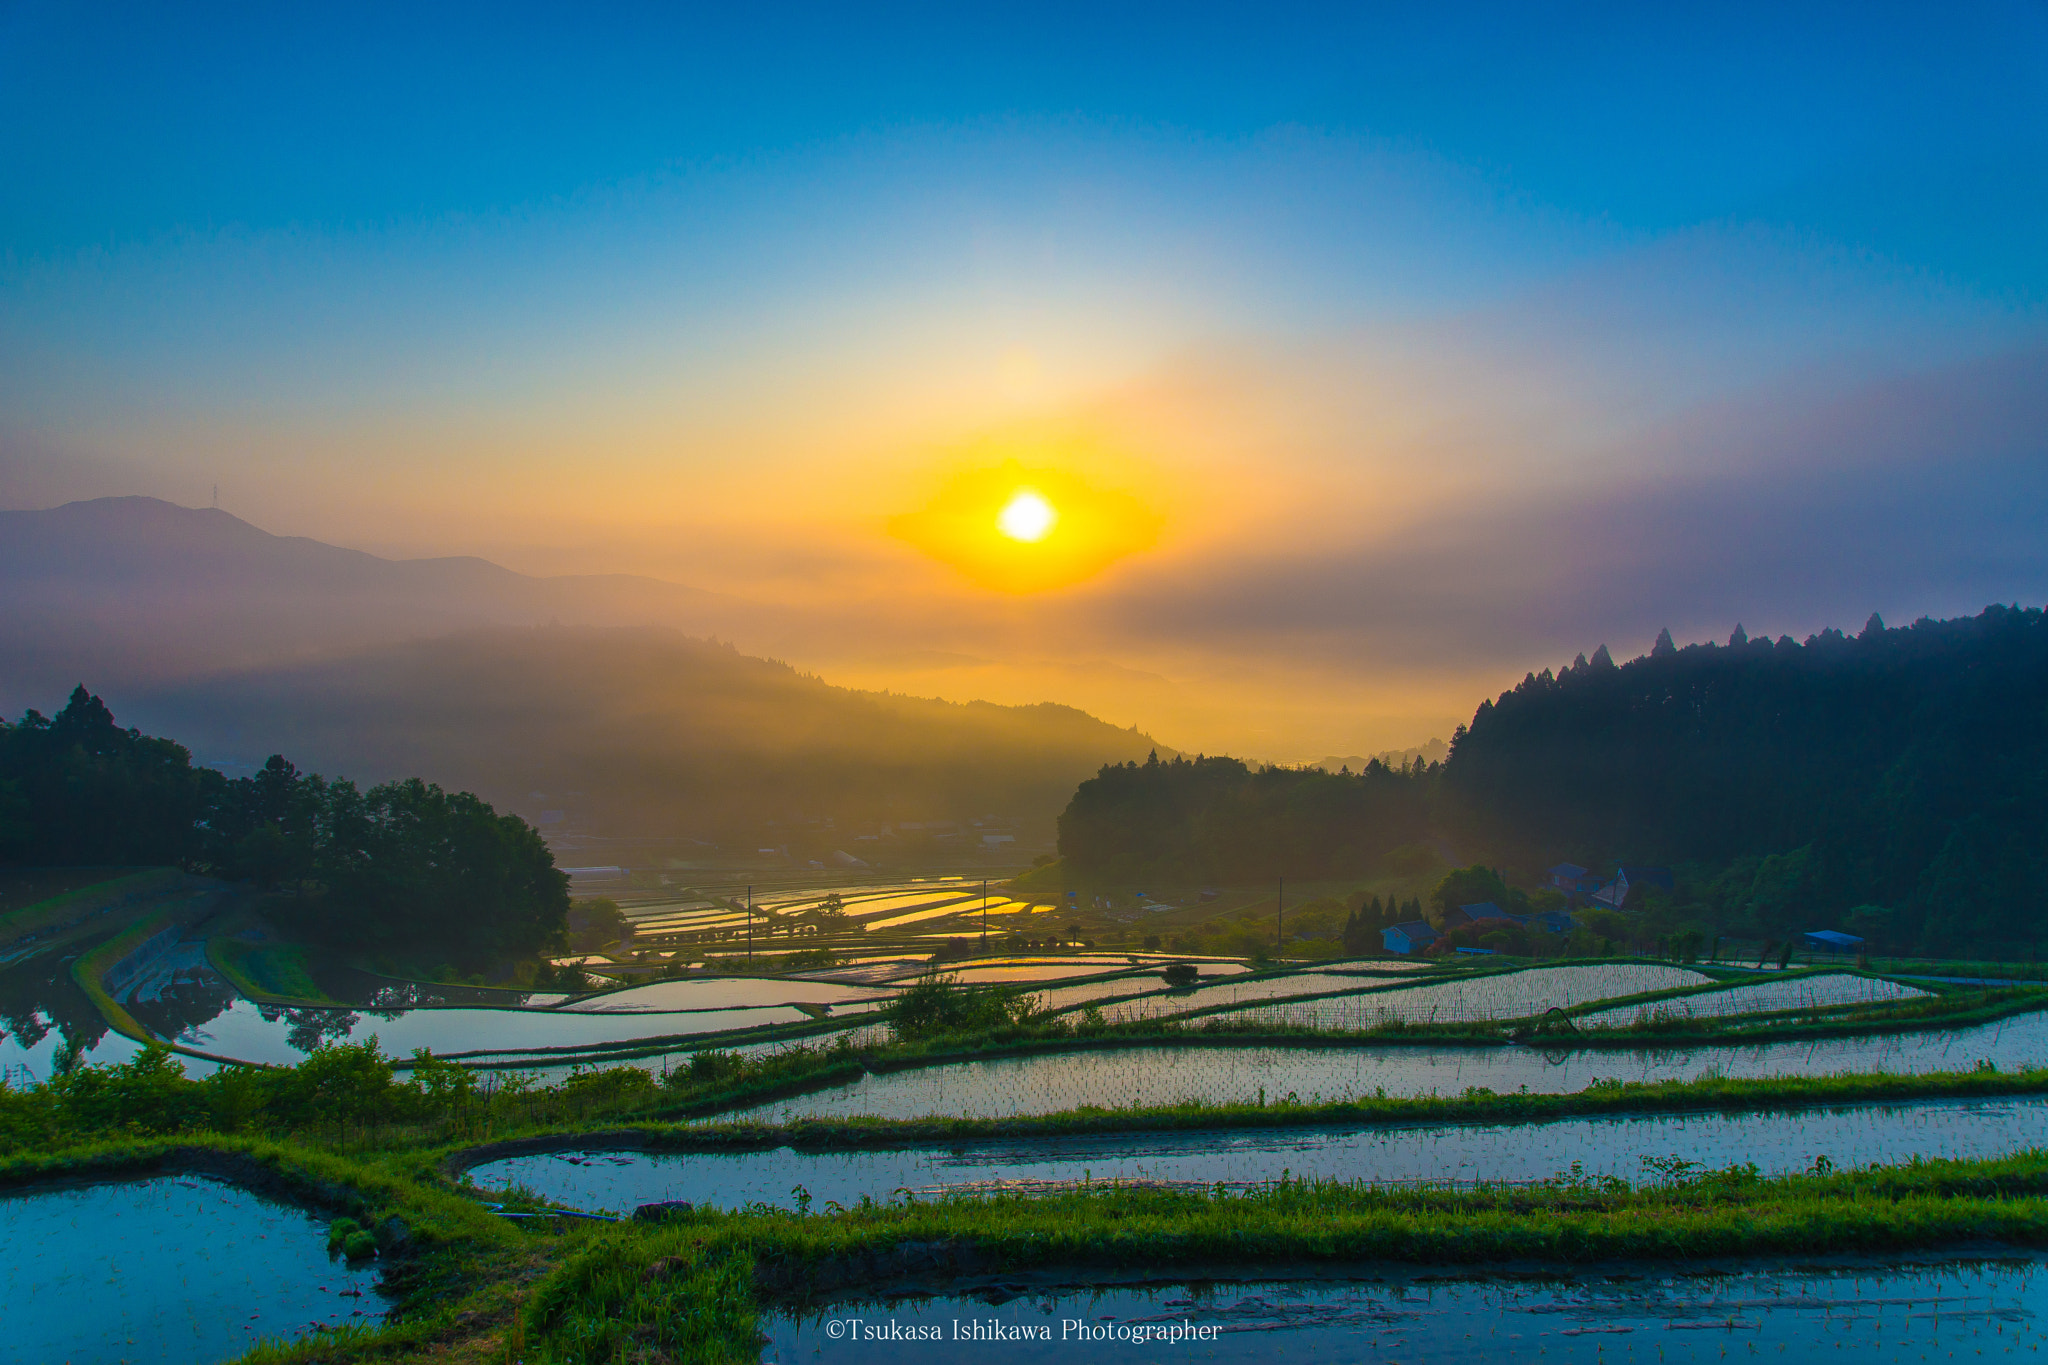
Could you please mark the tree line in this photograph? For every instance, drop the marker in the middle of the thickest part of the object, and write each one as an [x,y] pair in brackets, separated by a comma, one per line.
[1894,783]
[1209,819]
[402,865]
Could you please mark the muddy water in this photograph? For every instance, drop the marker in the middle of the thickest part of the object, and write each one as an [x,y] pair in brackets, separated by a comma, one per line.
[1872,1313]
[175,1269]
[1778,1143]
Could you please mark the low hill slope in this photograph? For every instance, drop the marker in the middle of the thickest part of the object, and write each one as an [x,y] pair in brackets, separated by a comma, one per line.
[644,731]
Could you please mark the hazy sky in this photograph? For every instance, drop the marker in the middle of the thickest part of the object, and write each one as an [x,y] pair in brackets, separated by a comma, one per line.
[1369,357]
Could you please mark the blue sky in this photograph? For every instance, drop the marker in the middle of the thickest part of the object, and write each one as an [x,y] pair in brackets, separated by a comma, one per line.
[1912,130]
[1338,292]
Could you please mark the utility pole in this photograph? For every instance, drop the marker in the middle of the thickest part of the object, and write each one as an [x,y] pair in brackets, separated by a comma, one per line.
[984,914]
[750,924]
[1280,916]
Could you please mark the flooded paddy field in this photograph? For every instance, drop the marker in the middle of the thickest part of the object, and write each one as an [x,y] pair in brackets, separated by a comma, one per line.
[729,992]
[1779,1144]
[30,1047]
[1886,1313]
[181,1270]
[1825,991]
[1126,1077]
[1499,996]
[183,1000]
[247,1032]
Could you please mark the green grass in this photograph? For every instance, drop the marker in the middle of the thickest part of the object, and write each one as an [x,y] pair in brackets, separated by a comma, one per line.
[270,973]
[88,970]
[475,1287]
[684,1288]
[85,891]
[366,1190]
[1709,1094]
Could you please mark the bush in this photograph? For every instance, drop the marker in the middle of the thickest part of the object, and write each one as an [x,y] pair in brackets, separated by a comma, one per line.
[939,1004]
[707,1068]
[609,1084]
[1181,974]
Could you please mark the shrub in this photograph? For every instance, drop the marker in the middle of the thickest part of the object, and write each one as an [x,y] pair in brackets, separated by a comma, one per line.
[609,1084]
[939,1004]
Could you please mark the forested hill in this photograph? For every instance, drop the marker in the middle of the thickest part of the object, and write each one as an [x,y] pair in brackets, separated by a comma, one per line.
[1896,781]
[1217,820]
[1912,764]
[403,865]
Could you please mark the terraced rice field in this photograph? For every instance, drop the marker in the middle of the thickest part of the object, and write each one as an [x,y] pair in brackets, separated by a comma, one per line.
[1897,1312]
[1510,995]
[1158,1075]
[24,1060]
[177,1269]
[727,992]
[1764,997]
[970,907]
[1780,1144]
[247,1032]
[1209,993]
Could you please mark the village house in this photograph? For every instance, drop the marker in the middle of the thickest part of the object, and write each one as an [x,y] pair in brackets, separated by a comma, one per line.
[1412,937]
[1632,880]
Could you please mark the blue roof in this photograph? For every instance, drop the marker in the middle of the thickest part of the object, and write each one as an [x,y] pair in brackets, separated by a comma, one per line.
[1834,936]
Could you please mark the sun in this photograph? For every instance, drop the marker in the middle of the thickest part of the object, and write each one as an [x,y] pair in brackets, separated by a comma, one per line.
[1019,529]
[1027,517]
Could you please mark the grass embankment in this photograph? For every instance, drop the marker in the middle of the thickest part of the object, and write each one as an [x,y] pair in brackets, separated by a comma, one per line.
[91,890]
[364,1189]
[801,1070]
[88,970]
[271,973]
[477,1288]
[455,1268]
[693,1288]
[1474,1106]
[1955,1007]
[1952,1006]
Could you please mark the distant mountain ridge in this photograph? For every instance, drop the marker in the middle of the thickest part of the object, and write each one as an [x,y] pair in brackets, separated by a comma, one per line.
[195,624]
[136,591]
[645,731]
[1434,751]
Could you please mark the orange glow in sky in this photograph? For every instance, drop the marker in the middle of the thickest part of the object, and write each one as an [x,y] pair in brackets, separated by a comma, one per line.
[1019,530]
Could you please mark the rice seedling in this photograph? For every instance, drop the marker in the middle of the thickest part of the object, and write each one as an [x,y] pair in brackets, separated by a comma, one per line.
[1823,991]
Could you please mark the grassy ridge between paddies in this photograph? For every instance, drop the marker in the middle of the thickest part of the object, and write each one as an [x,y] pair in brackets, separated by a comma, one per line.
[1474,1106]
[691,1288]
[798,1071]
[448,1259]
[365,1189]
[1964,1005]
[477,1288]
[103,894]
[268,973]
[1947,1007]
[88,970]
